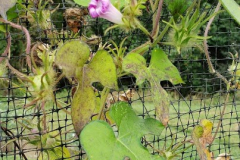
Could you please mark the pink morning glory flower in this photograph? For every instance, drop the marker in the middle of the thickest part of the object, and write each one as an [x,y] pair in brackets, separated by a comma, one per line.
[104,9]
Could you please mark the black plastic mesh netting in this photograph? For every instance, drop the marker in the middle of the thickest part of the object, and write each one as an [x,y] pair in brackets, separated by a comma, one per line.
[201,97]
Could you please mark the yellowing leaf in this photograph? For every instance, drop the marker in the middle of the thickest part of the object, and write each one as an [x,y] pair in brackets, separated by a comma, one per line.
[160,69]
[207,134]
[71,57]
[223,156]
[202,135]
[101,69]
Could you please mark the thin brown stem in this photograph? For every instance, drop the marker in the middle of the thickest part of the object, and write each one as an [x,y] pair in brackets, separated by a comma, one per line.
[59,78]
[32,55]
[159,151]
[212,70]
[7,132]
[62,108]
[104,95]
[160,37]
[221,117]
[44,117]
[157,19]
[28,39]
[210,65]
[6,51]
[31,103]
[18,73]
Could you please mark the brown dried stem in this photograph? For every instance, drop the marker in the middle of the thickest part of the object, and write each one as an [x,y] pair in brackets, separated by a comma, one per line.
[157,19]
[28,39]
[6,51]
[210,65]
[11,135]
[221,117]
[18,73]
[44,122]
[212,70]
[104,95]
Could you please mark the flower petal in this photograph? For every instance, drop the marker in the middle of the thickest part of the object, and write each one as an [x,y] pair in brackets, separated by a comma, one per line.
[104,9]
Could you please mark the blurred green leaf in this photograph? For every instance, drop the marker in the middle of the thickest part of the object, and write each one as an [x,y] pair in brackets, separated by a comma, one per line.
[177,7]
[2,28]
[5,5]
[232,8]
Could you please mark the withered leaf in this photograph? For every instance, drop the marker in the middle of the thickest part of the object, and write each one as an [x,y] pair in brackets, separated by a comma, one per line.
[202,135]
[160,69]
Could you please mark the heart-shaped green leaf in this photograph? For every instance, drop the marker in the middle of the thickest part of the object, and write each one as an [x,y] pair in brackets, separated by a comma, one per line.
[71,56]
[160,69]
[100,142]
[233,9]
[101,69]
[5,5]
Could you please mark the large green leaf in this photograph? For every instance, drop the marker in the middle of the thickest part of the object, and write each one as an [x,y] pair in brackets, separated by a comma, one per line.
[160,69]
[71,56]
[5,5]
[100,142]
[118,3]
[233,9]
[101,69]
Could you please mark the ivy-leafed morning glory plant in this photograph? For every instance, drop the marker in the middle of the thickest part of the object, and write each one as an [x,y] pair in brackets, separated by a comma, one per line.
[83,68]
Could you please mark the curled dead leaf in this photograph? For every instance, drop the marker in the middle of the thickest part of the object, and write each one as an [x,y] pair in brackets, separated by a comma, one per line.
[201,136]
[223,156]
[75,18]
[119,96]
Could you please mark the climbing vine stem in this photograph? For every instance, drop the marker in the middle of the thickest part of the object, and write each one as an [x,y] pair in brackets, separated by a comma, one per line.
[213,71]
[104,95]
